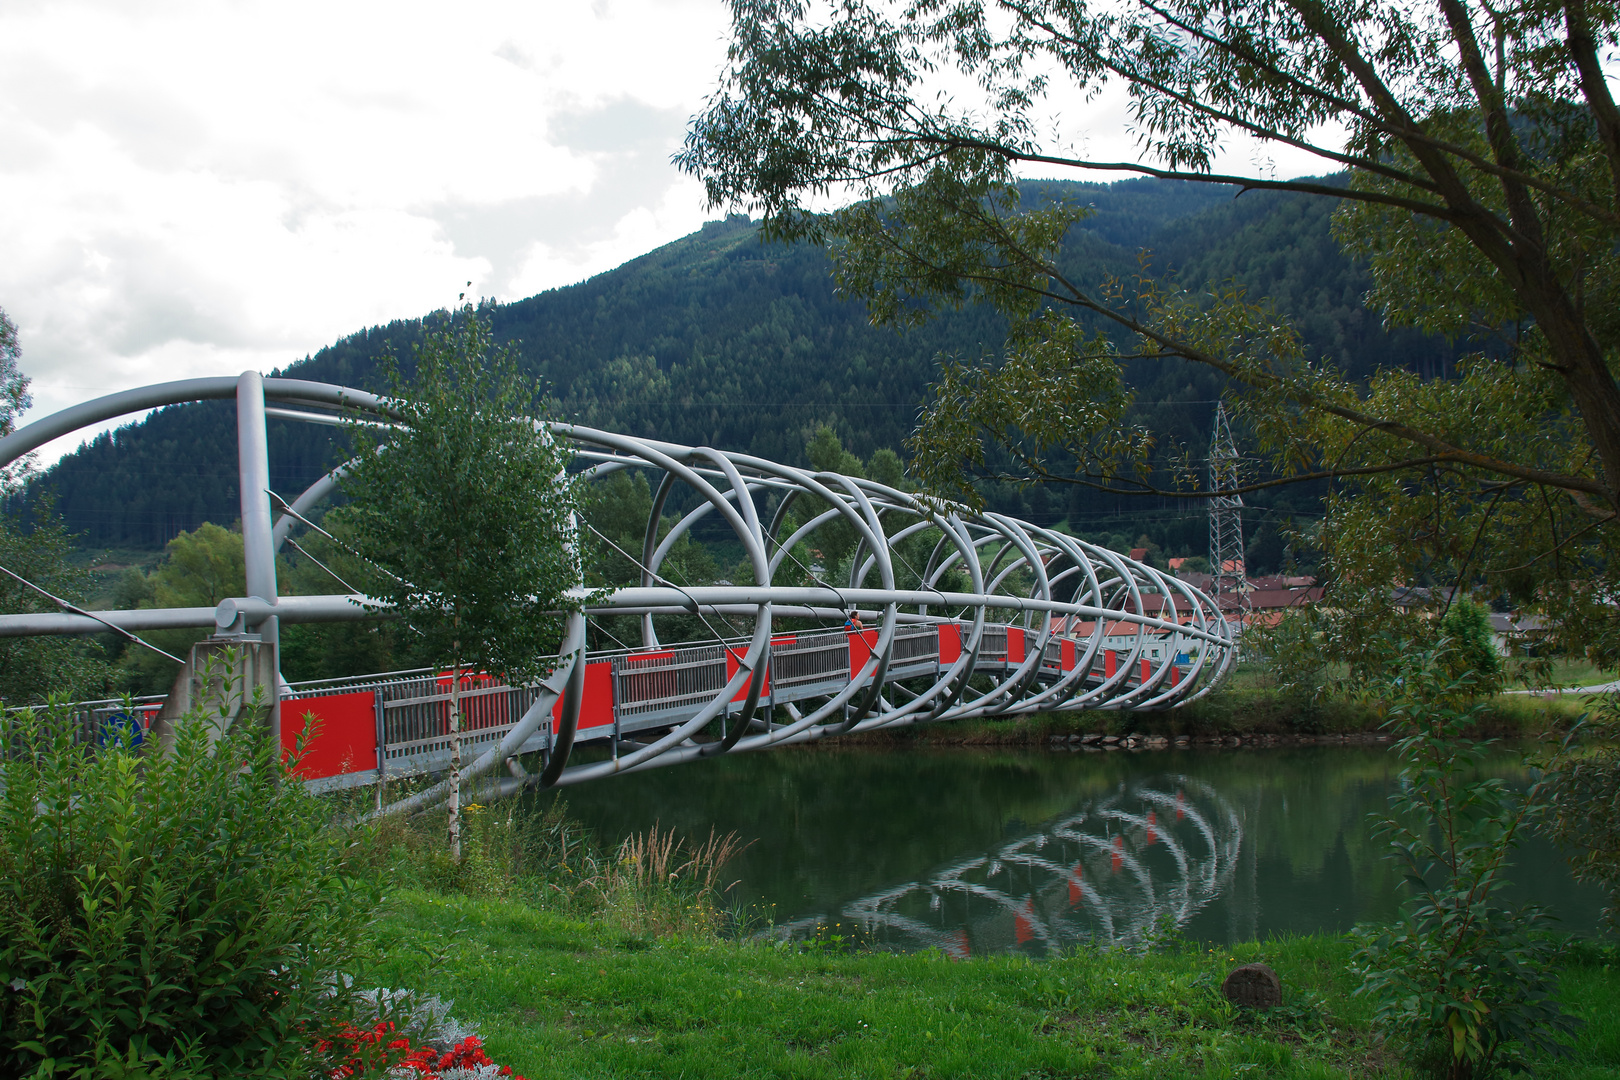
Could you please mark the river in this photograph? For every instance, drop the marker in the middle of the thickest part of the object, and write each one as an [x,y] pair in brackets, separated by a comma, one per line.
[988,851]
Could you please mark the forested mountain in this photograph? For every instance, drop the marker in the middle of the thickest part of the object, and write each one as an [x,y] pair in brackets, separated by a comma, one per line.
[724,340]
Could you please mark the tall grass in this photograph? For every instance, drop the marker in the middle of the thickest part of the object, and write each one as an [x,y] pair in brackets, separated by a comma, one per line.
[664,884]
[653,883]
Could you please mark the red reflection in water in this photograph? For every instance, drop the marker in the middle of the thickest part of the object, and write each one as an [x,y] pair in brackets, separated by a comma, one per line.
[1181,800]
[960,949]
[1153,819]
[1024,922]
[1076,890]
[1119,848]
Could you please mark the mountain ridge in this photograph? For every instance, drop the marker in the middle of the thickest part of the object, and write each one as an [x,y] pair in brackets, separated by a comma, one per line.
[717,338]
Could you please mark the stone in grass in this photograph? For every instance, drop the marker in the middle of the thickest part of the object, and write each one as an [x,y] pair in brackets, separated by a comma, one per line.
[1253,986]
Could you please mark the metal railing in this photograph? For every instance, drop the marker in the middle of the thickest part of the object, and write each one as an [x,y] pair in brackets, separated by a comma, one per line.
[810,660]
[670,681]
[915,645]
[993,645]
[415,721]
[93,723]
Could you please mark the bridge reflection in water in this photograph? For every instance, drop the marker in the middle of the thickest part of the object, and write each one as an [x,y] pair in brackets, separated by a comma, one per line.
[1125,867]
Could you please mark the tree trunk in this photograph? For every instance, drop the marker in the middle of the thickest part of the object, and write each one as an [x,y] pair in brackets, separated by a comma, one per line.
[1592,388]
[455,764]
[1595,394]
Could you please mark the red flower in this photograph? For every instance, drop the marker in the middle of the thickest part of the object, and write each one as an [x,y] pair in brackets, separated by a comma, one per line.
[397,1053]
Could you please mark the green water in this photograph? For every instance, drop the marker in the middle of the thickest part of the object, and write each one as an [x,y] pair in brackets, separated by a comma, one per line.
[1034,851]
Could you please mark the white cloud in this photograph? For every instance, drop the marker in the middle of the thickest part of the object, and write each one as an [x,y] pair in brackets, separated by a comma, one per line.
[198,188]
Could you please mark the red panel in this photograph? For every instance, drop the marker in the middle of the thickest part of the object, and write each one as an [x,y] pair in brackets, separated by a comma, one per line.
[1110,663]
[1147,670]
[950,643]
[734,658]
[596,708]
[860,650]
[1069,658]
[345,737]
[1015,645]
[1175,675]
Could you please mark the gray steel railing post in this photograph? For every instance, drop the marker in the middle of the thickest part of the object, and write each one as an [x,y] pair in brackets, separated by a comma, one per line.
[382,745]
[258,541]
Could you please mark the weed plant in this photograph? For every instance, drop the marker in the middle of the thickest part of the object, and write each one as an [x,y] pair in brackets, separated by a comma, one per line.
[175,913]
[1584,802]
[652,884]
[1468,983]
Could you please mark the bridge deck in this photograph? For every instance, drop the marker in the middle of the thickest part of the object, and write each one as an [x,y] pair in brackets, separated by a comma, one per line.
[370,728]
[373,728]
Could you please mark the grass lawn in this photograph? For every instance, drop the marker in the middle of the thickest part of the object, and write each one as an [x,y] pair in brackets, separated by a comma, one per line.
[556,997]
[1566,671]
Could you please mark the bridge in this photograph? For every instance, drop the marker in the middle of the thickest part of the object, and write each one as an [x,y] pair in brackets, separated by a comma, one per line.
[973,614]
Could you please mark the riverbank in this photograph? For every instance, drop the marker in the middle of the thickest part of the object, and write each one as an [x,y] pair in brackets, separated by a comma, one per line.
[1231,717]
[561,997]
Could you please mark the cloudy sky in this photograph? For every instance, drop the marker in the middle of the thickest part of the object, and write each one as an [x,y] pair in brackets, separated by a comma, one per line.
[198,188]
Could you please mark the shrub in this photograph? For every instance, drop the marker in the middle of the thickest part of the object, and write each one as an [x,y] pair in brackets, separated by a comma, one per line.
[1467,628]
[1469,983]
[167,914]
[1584,799]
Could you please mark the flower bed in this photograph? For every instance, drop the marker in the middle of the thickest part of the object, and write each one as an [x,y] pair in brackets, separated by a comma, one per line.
[382,1051]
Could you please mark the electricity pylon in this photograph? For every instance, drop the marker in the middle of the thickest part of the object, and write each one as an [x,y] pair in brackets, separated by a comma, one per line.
[1225,516]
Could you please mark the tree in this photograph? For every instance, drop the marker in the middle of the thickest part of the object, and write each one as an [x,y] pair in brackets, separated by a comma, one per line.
[14,399]
[1466,979]
[1467,628]
[1477,161]
[34,668]
[467,514]
[323,562]
[33,551]
[199,569]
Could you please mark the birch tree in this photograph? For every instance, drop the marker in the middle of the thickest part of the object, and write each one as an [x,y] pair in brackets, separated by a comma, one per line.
[466,510]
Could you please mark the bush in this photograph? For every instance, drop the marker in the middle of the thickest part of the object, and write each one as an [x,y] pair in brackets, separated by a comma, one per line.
[1467,627]
[170,914]
[1584,800]
[1469,983]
